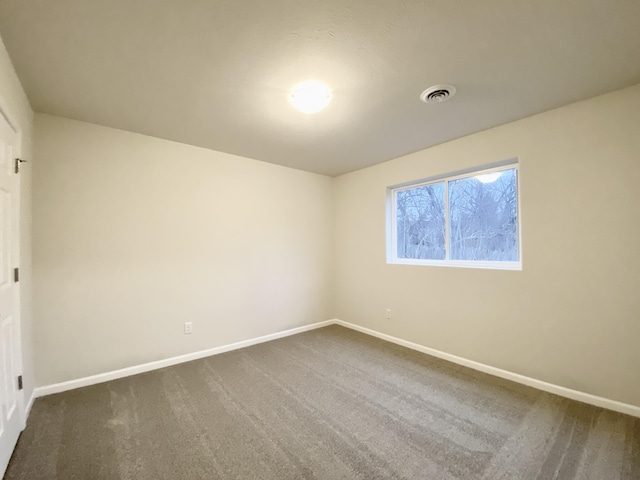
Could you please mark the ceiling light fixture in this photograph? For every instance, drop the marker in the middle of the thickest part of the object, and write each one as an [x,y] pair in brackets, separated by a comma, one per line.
[438,93]
[488,177]
[310,97]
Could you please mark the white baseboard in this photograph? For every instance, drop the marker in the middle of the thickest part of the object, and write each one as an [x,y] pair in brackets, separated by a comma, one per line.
[147,367]
[515,377]
[27,410]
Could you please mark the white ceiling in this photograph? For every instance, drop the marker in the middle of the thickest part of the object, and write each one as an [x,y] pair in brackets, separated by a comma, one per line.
[217,74]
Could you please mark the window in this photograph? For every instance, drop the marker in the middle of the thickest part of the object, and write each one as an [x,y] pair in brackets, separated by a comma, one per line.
[469,219]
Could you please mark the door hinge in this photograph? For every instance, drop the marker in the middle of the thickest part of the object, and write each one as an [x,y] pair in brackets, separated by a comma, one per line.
[18,162]
[20,386]
[16,275]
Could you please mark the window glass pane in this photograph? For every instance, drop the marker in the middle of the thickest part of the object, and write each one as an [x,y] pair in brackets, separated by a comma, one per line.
[484,217]
[420,227]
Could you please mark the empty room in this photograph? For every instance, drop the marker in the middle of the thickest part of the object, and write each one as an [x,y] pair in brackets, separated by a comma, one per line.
[319,240]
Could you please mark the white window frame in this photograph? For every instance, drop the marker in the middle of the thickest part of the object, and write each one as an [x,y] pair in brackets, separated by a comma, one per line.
[392,224]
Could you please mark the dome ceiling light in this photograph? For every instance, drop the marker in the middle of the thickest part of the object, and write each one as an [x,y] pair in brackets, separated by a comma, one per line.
[310,97]
[488,177]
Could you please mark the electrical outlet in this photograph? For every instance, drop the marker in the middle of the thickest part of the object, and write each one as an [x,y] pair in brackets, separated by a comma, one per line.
[188,328]
[388,314]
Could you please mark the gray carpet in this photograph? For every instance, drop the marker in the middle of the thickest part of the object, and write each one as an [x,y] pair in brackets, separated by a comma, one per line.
[327,404]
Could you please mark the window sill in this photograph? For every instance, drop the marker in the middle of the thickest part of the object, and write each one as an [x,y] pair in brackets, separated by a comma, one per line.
[517,266]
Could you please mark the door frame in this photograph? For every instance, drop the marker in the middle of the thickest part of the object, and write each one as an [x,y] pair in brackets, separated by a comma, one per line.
[12,120]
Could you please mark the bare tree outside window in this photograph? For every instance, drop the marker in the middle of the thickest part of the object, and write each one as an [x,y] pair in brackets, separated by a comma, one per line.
[483,218]
[421,228]
[478,222]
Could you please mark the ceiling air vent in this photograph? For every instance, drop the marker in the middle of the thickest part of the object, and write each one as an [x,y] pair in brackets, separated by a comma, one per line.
[438,93]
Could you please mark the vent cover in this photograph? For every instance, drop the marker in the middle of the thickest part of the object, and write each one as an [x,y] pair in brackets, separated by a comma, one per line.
[438,93]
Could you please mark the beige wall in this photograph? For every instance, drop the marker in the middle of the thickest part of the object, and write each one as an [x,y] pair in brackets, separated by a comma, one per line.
[134,235]
[572,315]
[14,101]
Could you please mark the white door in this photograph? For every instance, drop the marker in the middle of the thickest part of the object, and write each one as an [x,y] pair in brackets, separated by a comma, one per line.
[11,402]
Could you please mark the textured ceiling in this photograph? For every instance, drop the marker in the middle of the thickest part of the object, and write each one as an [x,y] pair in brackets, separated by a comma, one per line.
[217,74]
